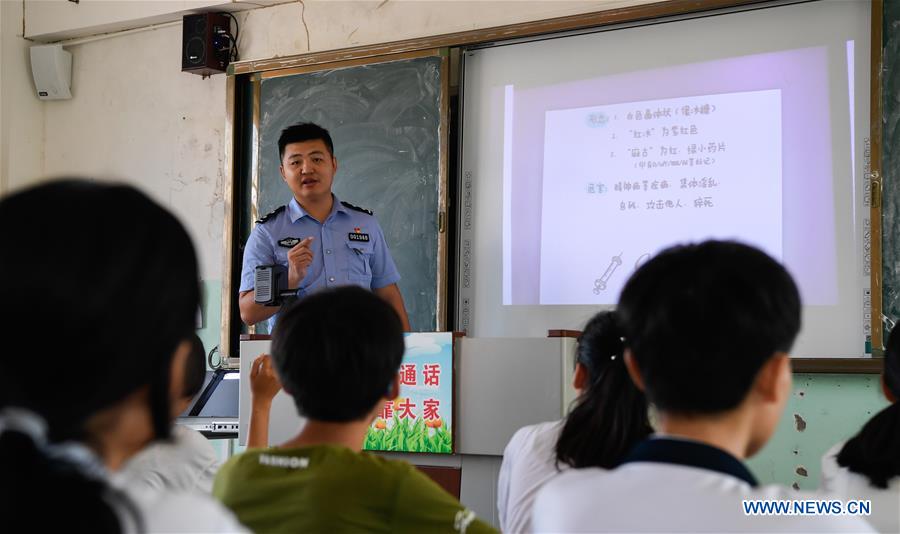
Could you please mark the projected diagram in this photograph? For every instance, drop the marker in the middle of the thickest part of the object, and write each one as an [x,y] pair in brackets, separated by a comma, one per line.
[614,263]
[631,179]
[600,283]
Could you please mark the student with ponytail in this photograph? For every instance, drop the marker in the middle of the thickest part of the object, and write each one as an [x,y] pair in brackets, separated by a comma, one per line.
[608,419]
[867,466]
[100,291]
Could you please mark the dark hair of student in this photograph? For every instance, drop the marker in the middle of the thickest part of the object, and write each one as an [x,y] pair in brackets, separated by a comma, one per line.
[100,285]
[873,452]
[610,416]
[337,353]
[702,319]
[194,367]
[305,131]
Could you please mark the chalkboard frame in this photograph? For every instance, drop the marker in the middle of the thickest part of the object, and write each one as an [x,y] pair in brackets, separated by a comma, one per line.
[251,198]
[586,22]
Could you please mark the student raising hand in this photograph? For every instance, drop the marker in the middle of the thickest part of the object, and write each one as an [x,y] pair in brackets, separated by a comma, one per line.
[264,385]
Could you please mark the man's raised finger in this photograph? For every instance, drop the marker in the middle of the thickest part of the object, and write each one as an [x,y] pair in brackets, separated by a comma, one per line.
[303,244]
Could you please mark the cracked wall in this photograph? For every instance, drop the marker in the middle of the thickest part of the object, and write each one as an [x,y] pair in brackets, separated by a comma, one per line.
[823,410]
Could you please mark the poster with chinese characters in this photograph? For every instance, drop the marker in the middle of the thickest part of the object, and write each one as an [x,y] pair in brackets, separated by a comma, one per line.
[420,419]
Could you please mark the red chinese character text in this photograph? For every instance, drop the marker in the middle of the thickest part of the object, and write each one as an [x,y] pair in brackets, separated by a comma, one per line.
[408,374]
[432,373]
[404,409]
[387,411]
[431,409]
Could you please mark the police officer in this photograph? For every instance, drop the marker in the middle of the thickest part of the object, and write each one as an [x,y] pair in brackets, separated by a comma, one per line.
[322,241]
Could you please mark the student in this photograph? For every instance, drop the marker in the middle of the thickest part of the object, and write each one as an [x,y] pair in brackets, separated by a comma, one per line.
[99,286]
[608,419]
[187,462]
[708,329]
[867,466]
[264,385]
[338,353]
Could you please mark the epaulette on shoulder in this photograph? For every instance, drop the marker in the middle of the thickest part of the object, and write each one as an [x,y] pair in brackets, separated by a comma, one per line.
[356,208]
[269,215]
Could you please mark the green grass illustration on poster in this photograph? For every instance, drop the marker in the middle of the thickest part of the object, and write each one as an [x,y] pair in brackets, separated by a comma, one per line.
[420,419]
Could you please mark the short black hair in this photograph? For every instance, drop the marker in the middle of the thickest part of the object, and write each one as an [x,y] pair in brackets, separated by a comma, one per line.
[305,131]
[194,367]
[138,264]
[337,352]
[702,319]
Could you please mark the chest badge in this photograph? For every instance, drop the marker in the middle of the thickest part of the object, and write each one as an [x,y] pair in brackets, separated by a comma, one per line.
[289,242]
[357,235]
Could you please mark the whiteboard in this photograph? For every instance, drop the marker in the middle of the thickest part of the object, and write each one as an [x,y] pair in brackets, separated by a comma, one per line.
[584,155]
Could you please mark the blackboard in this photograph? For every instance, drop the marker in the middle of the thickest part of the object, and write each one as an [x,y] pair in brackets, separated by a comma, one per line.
[890,204]
[385,121]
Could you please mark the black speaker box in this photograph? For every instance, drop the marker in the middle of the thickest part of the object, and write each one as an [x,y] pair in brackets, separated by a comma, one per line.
[205,45]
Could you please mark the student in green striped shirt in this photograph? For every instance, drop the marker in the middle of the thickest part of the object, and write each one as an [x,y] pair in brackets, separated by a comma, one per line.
[337,353]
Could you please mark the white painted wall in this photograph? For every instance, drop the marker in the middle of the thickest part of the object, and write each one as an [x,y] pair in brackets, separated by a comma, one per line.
[57,19]
[21,113]
[135,116]
[317,25]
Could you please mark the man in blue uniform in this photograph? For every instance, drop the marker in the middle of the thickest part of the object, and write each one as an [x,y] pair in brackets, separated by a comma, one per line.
[322,241]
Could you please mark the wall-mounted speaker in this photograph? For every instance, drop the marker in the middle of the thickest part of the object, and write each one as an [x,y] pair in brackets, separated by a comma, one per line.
[51,68]
[205,43]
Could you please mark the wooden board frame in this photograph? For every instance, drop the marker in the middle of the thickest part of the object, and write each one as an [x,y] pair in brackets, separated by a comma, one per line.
[853,366]
[589,21]
[874,179]
[228,221]
[255,80]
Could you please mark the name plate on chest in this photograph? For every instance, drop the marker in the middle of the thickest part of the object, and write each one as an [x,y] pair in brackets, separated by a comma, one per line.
[356,236]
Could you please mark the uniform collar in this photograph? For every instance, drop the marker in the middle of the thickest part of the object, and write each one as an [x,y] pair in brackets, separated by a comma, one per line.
[296,211]
[692,454]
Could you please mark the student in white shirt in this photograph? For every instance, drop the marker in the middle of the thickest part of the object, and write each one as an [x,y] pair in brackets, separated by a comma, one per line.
[187,461]
[867,466]
[707,329]
[607,420]
[100,286]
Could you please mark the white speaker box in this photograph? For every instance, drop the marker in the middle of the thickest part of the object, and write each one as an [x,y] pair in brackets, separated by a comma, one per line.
[51,67]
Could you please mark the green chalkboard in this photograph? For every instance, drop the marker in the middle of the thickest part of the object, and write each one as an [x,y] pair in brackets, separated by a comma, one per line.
[890,165]
[385,121]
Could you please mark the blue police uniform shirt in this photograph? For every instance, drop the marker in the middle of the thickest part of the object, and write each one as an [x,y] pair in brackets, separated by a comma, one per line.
[348,249]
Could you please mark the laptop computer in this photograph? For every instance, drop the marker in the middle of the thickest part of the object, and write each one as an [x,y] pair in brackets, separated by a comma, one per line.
[214,411]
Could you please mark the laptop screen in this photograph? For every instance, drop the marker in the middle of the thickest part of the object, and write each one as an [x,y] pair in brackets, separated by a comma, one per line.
[218,397]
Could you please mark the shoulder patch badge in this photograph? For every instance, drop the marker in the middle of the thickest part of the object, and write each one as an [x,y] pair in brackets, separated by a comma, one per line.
[289,242]
[269,215]
[356,208]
